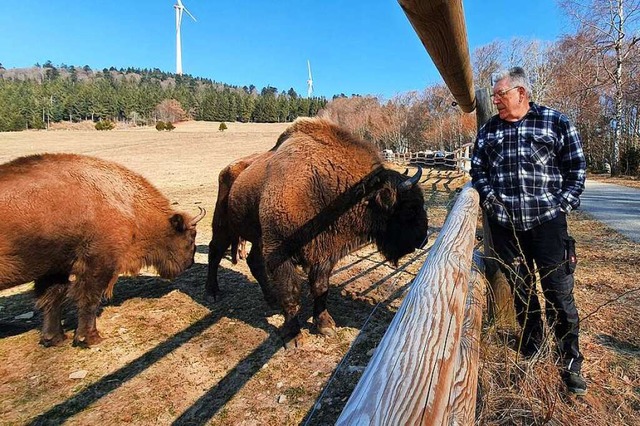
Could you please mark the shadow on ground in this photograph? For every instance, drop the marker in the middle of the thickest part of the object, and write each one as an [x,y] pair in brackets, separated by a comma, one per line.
[242,298]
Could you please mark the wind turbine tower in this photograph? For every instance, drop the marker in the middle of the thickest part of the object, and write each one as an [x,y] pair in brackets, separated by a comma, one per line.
[310,81]
[179,7]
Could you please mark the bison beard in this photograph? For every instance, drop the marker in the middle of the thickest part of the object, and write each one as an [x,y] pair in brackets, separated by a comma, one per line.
[73,223]
[319,194]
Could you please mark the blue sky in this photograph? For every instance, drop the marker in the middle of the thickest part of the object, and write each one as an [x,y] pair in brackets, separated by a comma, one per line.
[363,47]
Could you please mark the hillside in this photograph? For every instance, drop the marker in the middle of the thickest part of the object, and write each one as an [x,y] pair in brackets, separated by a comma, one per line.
[33,98]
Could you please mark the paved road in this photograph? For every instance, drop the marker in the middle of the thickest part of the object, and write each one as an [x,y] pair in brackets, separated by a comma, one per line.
[614,205]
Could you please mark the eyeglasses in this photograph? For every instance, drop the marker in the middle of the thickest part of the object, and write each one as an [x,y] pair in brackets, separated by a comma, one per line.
[501,94]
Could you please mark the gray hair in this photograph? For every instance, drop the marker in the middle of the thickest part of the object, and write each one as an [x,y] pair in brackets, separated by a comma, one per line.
[517,76]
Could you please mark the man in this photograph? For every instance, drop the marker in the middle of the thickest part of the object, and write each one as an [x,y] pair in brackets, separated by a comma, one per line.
[529,169]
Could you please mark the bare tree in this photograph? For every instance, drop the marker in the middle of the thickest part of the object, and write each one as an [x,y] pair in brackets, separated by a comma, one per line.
[614,24]
[169,110]
[536,58]
[577,90]
[486,62]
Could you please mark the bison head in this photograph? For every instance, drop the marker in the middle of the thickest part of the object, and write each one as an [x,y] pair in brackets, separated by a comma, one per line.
[400,215]
[179,245]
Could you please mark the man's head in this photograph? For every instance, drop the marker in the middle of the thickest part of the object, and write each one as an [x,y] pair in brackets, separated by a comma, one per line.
[511,93]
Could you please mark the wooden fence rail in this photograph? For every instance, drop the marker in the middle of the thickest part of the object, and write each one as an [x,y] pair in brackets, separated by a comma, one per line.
[423,371]
[441,29]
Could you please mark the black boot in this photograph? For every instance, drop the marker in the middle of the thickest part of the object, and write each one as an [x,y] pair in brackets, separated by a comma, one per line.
[575,382]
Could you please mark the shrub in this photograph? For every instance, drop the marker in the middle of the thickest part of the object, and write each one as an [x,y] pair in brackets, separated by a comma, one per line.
[170,110]
[160,125]
[630,161]
[105,125]
[222,127]
[169,126]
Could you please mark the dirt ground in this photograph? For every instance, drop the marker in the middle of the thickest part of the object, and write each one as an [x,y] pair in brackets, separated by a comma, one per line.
[172,357]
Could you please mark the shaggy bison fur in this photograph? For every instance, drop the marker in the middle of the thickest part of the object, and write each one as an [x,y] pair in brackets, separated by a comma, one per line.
[73,223]
[318,195]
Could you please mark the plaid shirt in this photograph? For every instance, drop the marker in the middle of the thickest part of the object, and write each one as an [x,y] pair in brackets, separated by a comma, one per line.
[529,171]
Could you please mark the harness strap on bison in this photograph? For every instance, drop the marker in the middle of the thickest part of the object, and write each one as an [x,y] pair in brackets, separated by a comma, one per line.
[317,195]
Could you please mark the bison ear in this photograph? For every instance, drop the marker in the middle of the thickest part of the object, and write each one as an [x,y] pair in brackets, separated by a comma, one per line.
[178,223]
[385,198]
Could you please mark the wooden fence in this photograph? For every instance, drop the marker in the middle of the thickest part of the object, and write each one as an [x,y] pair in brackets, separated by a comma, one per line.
[460,159]
[424,370]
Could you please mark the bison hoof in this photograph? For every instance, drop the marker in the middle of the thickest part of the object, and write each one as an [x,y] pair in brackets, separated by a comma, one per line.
[294,342]
[327,331]
[211,297]
[87,341]
[325,325]
[212,293]
[48,342]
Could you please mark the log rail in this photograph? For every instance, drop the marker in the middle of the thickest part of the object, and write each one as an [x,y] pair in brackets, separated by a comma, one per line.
[424,370]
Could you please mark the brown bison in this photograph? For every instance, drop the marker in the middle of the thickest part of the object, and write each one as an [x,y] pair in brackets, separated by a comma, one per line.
[73,223]
[234,227]
[319,194]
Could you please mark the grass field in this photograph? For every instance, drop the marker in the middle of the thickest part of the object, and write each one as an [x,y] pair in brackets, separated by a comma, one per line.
[171,357]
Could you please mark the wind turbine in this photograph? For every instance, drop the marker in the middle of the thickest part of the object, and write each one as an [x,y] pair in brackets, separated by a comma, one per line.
[179,8]
[310,81]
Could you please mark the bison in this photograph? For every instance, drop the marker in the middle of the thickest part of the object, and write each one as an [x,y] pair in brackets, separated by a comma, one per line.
[73,223]
[233,228]
[318,195]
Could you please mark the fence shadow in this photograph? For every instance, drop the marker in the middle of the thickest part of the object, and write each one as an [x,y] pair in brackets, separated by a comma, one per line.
[241,293]
[347,312]
[109,383]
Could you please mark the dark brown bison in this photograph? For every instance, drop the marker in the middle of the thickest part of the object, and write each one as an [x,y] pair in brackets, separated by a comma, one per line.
[319,194]
[234,227]
[73,223]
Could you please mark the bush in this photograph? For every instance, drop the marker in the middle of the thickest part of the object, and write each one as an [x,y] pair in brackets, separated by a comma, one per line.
[160,125]
[170,110]
[169,126]
[105,125]
[630,161]
[222,127]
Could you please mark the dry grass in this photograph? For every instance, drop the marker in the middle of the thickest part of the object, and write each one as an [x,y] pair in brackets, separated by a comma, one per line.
[630,181]
[515,391]
[169,356]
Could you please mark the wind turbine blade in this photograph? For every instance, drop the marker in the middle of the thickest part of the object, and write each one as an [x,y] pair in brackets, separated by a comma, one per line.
[189,13]
[309,66]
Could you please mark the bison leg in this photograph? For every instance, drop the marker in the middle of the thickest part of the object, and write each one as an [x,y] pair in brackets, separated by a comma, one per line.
[319,283]
[259,272]
[287,284]
[217,247]
[50,292]
[87,291]
[242,248]
[234,251]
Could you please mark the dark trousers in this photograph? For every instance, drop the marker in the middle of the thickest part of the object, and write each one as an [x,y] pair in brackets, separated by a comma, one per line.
[542,249]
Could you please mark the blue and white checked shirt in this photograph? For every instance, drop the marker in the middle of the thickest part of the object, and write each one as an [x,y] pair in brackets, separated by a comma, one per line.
[528,171]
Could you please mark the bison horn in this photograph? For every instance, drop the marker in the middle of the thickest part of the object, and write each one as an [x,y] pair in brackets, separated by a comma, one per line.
[199,217]
[413,180]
